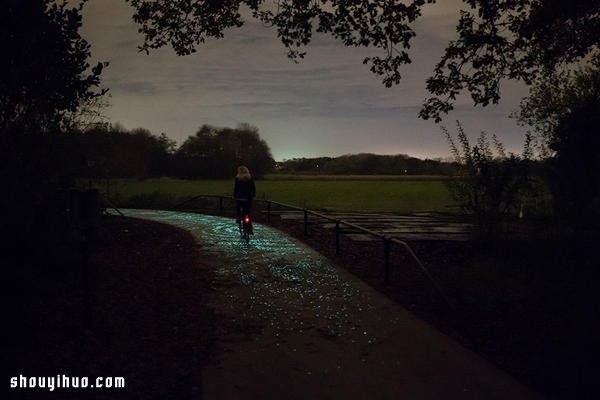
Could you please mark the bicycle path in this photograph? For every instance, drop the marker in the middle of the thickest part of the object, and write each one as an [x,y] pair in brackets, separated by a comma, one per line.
[295,326]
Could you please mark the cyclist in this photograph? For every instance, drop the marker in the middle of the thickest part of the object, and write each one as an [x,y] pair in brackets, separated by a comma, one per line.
[244,191]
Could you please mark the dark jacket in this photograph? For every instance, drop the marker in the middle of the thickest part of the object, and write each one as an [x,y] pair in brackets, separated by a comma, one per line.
[244,189]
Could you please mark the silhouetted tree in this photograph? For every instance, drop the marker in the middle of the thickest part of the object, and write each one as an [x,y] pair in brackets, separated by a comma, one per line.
[163,151]
[365,164]
[563,111]
[195,157]
[575,167]
[520,39]
[303,164]
[44,74]
[557,95]
[216,153]
[184,24]
[89,114]
[490,183]
[44,71]
[254,152]
[114,152]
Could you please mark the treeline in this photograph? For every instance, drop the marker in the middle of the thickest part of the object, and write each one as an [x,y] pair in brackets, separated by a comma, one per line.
[366,163]
[114,152]
[110,151]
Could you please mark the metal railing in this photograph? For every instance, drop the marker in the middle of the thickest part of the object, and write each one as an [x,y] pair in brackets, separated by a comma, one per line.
[339,223]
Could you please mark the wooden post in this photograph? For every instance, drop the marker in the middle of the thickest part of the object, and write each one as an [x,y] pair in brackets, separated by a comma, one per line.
[268,211]
[220,205]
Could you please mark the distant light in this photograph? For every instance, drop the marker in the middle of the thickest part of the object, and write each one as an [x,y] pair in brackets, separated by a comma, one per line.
[247,220]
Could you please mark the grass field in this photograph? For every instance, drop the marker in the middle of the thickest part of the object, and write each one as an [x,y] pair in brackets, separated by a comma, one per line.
[349,193]
[326,177]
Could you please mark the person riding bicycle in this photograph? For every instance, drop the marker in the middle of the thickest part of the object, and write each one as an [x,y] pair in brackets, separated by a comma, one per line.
[244,191]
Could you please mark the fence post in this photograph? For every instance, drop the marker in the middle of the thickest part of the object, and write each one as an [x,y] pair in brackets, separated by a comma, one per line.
[85,280]
[220,205]
[268,211]
[386,250]
[305,222]
[337,237]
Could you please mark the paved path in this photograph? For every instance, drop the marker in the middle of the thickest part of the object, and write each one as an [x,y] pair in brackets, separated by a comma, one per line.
[297,327]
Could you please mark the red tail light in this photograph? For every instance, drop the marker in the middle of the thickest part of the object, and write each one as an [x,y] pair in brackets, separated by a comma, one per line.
[247,220]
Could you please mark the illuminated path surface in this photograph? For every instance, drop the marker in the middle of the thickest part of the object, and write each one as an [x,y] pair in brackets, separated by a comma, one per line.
[297,327]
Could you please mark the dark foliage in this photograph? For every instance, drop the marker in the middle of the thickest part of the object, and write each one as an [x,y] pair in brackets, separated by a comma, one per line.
[113,152]
[108,152]
[563,111]
[519,39]
[44,71]
[184,24]
[575,168]
[492,184]
[366,164]
[44,75]
[217,152]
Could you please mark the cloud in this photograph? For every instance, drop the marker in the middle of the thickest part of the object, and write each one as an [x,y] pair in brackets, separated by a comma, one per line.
[128,44]
[133,88]
[328,104]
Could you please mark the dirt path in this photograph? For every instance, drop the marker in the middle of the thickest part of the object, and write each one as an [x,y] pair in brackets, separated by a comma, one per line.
[297,327]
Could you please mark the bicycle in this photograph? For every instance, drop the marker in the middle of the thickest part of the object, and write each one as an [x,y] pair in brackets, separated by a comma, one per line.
[243,219]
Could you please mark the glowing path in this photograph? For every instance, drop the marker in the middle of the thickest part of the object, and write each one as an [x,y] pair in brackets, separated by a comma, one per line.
[284,277]
[297,327]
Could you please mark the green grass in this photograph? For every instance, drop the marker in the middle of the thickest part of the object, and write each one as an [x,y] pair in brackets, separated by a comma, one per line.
[331,177]
[368,194]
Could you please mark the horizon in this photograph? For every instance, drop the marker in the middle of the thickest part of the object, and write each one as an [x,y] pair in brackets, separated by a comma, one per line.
[440,159]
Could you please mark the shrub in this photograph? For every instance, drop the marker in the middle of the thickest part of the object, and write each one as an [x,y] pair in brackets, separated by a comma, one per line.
[491,184]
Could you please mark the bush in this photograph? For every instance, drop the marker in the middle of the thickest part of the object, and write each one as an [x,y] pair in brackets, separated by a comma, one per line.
[491,184]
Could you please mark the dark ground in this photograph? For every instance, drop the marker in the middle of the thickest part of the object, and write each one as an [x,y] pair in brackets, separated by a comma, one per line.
[529,307]
[149,320]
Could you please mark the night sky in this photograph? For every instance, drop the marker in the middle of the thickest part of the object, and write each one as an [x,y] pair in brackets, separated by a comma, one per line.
[329,104]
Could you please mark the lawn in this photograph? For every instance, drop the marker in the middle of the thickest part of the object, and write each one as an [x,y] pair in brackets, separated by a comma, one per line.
[355,193]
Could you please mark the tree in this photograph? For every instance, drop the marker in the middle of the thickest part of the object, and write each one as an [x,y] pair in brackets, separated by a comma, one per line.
[89,114]
[491,183]
[254,151]
[114,152]
[564,110]
[557,95]
[511,39]
[497,39]
[217,152]
[44,71]
[575,181]
[44,76]
[184,24]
